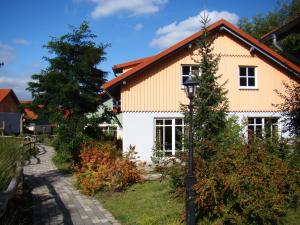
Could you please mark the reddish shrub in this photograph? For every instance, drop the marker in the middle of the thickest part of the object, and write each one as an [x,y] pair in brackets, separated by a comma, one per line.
[102,167]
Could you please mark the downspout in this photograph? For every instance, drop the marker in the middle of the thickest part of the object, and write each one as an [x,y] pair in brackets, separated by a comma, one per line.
[275,43]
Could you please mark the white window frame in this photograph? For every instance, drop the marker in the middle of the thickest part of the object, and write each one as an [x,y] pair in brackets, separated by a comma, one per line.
[190,70]
[247,87]
[262,124]
[173,125]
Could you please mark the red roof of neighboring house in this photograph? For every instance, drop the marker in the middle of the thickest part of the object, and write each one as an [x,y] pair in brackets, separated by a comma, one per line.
[29,113]
[131,63]
[192,38]
[290,24]
[6,92]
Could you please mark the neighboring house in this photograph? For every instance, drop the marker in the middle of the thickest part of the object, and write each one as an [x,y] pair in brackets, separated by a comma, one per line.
[292,26]
[151,92]
[114,126]
[32,124]
[10,117]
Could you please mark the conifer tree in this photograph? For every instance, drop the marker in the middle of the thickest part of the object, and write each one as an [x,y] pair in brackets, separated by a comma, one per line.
[210,103]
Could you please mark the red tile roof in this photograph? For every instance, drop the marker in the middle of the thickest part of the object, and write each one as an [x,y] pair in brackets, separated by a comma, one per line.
[6,92]
[131,63]
[192,38]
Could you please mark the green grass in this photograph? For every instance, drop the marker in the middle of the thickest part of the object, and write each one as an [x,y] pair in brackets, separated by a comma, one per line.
[9,153]
[150,203]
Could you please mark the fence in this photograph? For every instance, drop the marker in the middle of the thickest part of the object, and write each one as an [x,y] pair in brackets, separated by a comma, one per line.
[11,191]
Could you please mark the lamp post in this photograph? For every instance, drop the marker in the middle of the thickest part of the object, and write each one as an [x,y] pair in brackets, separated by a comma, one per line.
[190,88]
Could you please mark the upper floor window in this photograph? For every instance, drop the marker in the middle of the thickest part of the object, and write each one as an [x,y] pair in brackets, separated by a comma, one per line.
[187,69]
[248,77]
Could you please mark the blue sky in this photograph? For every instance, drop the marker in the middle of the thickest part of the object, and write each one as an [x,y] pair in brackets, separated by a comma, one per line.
[134,28]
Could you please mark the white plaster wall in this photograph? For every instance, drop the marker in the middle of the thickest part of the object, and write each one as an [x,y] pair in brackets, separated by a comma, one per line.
[138,130]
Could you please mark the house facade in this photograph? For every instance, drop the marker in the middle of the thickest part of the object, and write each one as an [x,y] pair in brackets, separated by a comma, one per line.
[10,116]
[151,92]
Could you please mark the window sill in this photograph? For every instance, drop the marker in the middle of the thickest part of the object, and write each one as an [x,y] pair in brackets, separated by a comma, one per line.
[248,88]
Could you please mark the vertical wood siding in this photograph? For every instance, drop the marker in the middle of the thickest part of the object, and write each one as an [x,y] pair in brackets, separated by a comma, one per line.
[159,89]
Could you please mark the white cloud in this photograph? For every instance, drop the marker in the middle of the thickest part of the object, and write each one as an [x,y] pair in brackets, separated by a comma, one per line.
[7,53]
[17,84]
[174,32]
[21,42]
[138,26]
[133,7]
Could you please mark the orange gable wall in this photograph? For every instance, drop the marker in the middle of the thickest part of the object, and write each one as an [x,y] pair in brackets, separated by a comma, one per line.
[159,88]
[8,105]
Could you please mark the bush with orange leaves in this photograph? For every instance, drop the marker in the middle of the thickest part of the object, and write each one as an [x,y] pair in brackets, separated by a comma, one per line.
[102,167]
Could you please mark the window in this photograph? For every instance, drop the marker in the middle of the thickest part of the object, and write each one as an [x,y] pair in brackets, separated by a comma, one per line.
[187,69]
[169,135]
[248,77]
[262,127]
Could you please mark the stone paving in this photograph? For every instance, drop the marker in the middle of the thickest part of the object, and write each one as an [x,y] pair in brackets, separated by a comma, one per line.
[55,199]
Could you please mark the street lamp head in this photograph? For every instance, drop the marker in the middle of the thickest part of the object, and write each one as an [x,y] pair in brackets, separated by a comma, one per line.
[190,87]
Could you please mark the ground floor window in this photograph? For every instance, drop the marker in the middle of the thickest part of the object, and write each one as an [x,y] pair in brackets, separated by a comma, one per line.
[261,127]
[169,135]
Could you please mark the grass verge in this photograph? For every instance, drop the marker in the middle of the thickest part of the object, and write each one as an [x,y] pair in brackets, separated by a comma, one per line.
[150,203]
[9,153]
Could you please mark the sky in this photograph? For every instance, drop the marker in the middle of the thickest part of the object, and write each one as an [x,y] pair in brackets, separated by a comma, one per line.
[133,28]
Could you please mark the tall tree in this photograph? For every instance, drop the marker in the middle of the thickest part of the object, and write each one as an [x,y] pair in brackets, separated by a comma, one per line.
[210,103]
[291,108]
[69,87]
[262,24]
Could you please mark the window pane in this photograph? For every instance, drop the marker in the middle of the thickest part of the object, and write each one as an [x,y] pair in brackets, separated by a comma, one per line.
[159,122]
[178,121]
[185,70]
[195,70]
[178,137]
[258,121]
[258,131]
[184,78]
[250,120]
[251,71]
[168,138]
[251,82]
[243,81]
[168,122]
[159,138]
[242,71]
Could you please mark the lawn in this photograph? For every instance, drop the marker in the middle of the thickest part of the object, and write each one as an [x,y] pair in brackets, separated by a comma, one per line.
[150,203]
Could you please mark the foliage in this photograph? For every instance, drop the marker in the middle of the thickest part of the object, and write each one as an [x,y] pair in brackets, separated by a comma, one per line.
[9,153]
[210,103]
[262,24]
[245,186]
[102,167]
[149,203]
[291,107]
[69,87]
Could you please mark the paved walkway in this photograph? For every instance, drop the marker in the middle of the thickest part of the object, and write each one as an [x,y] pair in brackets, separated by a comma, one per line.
[56,201]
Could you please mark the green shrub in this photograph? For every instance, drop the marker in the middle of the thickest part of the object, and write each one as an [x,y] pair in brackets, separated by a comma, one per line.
[245,186]
[102,167]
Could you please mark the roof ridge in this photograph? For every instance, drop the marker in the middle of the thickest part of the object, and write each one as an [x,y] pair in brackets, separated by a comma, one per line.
[191,38]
